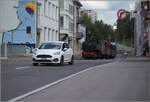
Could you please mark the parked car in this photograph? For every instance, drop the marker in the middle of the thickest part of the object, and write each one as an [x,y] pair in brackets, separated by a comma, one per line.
[56,52]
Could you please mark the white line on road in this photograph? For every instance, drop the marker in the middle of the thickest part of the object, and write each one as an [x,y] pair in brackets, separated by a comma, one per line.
[52,84]
[24,67]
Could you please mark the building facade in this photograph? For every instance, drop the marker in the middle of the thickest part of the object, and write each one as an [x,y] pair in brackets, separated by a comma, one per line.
[138,29]
[66,21]
[47,21]
[78,36]
[142,27]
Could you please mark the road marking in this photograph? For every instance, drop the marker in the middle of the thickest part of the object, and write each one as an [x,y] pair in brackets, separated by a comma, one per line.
[53,83]
[24,67]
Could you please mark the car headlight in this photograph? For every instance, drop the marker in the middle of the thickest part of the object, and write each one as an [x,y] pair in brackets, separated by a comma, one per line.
[34,53]
[56,53]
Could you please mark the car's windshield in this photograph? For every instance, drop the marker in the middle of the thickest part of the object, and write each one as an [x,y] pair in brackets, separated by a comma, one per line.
[51,45]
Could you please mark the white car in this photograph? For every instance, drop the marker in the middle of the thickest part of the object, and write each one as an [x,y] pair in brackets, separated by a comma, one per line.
[56,52]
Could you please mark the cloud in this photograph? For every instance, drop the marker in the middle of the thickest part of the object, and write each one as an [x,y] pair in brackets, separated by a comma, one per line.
[108,17]
[96,4]
[132,6]
[107,9]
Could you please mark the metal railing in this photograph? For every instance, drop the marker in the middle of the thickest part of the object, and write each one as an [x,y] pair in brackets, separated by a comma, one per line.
[9,50]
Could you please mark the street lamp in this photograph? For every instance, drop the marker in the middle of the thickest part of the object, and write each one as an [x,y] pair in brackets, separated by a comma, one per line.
[114,30]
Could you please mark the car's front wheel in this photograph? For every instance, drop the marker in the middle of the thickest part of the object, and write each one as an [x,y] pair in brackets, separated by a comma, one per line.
[61,61]
[72,61]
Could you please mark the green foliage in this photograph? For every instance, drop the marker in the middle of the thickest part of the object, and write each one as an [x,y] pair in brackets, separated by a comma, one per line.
[125,30]
[98,31]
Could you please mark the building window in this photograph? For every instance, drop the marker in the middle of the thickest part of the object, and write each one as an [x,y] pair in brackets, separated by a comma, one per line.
[61,21]
[49,9]
[49,34]
[45,33]
[70,26]
[53,11]
[45,7]
[56,13]
[56,36]
[71,9]
[53,35]
[38,7]
[61,4]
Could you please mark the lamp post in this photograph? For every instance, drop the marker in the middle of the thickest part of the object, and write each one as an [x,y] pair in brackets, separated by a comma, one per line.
[114,29]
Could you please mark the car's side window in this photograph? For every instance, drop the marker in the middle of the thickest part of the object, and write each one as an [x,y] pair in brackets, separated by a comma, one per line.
[63,46]
[67,46]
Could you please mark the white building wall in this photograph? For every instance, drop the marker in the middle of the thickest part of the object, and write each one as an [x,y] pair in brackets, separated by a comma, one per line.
[67,28]
[67,17]
[48,20]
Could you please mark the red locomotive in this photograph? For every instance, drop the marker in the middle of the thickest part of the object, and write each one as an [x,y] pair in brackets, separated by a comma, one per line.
[98,50]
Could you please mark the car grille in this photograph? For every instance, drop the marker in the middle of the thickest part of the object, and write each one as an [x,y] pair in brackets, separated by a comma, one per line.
[43,61]
[43,56]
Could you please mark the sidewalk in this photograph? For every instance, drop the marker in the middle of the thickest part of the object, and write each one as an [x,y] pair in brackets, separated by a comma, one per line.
[117,81]
[18,58]
[28,58]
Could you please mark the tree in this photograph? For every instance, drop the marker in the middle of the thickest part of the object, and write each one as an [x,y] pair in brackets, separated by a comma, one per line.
[125,30]
[97,31]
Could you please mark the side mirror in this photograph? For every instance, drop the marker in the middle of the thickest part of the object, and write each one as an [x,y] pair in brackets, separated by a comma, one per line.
[34,50]
[64,49]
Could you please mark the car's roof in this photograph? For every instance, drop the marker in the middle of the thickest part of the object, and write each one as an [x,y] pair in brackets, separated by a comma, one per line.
[54,42]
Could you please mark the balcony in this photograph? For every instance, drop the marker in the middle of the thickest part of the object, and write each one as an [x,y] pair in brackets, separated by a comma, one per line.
[79,35]
[78,20]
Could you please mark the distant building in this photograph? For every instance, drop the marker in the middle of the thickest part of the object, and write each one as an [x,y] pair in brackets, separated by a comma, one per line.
[47,21]
[90,13]
[66,21]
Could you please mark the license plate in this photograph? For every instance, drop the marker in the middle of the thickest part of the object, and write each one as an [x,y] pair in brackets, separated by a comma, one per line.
[43,58]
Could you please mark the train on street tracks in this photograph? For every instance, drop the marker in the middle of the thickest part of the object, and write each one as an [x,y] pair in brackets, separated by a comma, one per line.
[98,50]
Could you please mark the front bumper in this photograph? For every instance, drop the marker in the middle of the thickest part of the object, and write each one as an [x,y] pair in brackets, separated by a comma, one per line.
[54,59]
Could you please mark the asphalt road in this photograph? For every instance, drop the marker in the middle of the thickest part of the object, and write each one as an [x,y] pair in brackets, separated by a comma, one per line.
[126,81]
[20,77]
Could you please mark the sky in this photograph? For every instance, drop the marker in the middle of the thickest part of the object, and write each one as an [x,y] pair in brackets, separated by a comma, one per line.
[107,9]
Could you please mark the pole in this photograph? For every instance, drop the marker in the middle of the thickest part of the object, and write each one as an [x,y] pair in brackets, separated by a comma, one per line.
[149,36]
[59,20]
[36,23]
[12,44]
[74,19]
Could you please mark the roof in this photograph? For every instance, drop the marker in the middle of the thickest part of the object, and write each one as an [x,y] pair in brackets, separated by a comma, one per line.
[54,42]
